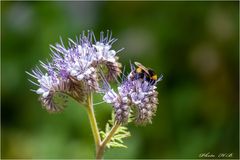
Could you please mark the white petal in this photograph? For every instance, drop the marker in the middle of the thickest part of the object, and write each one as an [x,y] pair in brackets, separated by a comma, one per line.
[107,47]
[40,91]
[45,94]
[112,53]
[98,55]
[80,48]
[119,111]
[140,95]
[99,46]
[92,69]
[112,93]
[94,76]
[107,99]
[80,77]
[111,59]
[89,82]
[73,73]
[125,99]
[88,71]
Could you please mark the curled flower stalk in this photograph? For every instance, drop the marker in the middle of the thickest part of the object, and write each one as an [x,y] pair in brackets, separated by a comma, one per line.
[87,66]
[134,93]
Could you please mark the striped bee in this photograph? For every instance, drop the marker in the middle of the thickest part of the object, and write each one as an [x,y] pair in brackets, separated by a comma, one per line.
[144,73]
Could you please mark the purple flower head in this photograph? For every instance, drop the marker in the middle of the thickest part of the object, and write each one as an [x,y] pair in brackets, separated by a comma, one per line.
[137,93]
[144,99]
[74,70]
[48,85]
[120,102]
[83,58]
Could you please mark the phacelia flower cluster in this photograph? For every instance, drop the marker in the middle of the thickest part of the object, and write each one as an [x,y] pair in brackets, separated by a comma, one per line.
[138,94]
[83,67]
[74,70]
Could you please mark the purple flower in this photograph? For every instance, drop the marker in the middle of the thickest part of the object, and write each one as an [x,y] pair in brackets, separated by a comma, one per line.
[120,103]
[137,93]
[144,99]
[84,58]
[49,84]
[74,70]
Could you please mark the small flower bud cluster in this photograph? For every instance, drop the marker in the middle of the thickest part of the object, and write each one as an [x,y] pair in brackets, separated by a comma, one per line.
[144,98]
[120,103]
[75,70]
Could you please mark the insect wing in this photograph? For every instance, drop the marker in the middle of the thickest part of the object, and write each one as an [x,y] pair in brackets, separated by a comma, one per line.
[142,67]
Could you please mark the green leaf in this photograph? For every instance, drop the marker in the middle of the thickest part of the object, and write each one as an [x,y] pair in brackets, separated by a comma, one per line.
[117,139]
[107,127]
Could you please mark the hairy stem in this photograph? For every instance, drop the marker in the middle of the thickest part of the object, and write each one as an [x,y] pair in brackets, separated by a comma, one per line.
[93,121]
[101,149]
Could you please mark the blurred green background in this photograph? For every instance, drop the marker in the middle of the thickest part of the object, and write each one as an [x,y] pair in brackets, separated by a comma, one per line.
[193,44]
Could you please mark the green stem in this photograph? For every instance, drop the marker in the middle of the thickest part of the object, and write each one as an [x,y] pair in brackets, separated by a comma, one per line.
[100,145]
[101,149]
[93,121]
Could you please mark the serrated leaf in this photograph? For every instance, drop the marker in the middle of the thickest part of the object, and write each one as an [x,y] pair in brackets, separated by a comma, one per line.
[119,136]
[115,144]
[117,139]
[107,128]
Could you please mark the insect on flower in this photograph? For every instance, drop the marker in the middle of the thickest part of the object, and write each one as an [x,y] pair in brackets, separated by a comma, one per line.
[137,91]
[88,66]
[144,73]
